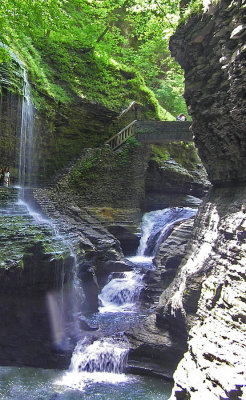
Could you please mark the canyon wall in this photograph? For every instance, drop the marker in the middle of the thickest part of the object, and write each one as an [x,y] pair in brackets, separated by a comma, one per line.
[207,297]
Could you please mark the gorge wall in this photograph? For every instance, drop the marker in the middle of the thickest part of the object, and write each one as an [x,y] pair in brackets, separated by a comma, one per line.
[211,50]
[208,294]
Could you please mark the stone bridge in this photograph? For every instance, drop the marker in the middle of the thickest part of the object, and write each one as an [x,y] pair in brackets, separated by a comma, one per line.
[153,132]
[162,132]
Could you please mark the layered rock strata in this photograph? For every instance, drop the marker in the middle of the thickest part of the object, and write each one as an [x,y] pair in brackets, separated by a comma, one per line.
[207,298]
[211,50]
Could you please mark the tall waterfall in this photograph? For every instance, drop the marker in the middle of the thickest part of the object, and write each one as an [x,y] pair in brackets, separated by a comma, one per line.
[26,135]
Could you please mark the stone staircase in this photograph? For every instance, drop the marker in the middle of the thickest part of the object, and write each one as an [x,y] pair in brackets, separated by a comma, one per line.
[10,204]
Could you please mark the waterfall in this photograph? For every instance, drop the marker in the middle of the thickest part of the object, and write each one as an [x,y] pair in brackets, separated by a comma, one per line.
[21,119]
[121,294]
[157,226]
[103,355]
[26,135]
[103,360]
[122,291]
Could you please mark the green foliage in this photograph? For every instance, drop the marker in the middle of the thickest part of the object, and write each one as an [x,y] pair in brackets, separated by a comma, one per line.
[97,50]
[193,7]
[84,172]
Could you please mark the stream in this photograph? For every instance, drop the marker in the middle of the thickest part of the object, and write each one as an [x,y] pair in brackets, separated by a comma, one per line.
[99,359]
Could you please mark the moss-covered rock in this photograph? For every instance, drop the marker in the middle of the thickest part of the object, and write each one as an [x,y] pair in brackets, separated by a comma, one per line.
[105,178]
[174,169]
[31,255]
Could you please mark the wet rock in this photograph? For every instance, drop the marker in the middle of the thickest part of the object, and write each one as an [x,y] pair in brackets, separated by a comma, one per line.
[153,351]
[118,266]
[86,326]
[174,172]
[129,241]
[209,290]
[172,251]
[207,297]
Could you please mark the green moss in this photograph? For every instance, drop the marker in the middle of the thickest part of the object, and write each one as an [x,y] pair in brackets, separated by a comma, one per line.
[89,169]
[185,154]
[19,235]
[11,72]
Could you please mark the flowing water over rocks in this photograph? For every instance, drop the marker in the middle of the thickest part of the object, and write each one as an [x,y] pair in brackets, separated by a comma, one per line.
[121,309]
[100,357]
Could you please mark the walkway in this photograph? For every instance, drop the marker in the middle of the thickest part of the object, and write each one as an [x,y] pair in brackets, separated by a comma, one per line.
[153,132]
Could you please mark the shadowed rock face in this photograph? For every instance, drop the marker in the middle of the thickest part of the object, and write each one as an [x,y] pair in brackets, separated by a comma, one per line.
[211,50]
[208,293]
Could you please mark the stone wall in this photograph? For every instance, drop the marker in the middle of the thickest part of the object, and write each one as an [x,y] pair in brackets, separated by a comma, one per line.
[208,298]
[104,178]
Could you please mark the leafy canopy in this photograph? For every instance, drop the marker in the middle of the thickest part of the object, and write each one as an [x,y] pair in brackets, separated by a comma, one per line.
[130,32]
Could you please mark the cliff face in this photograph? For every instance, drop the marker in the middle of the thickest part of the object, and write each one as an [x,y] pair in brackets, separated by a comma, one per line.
[207,297]
[211,50]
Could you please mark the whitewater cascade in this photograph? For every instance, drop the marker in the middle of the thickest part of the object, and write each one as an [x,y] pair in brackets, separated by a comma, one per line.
[121,293]
[100,356]
[157,226]
[105,359]
[123,290]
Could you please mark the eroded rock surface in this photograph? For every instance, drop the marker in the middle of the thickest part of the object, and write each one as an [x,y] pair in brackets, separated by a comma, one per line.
[211,50]
[208,294]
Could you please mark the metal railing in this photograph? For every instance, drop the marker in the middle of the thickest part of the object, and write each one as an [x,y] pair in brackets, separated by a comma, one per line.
[121,137]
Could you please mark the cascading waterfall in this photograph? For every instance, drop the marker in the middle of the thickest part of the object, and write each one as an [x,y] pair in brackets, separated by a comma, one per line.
[103,360]
[100,356]
[119,295]
[157,226]
[121,292]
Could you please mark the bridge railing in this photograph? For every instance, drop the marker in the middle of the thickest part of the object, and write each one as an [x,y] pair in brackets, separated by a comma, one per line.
[117,140]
